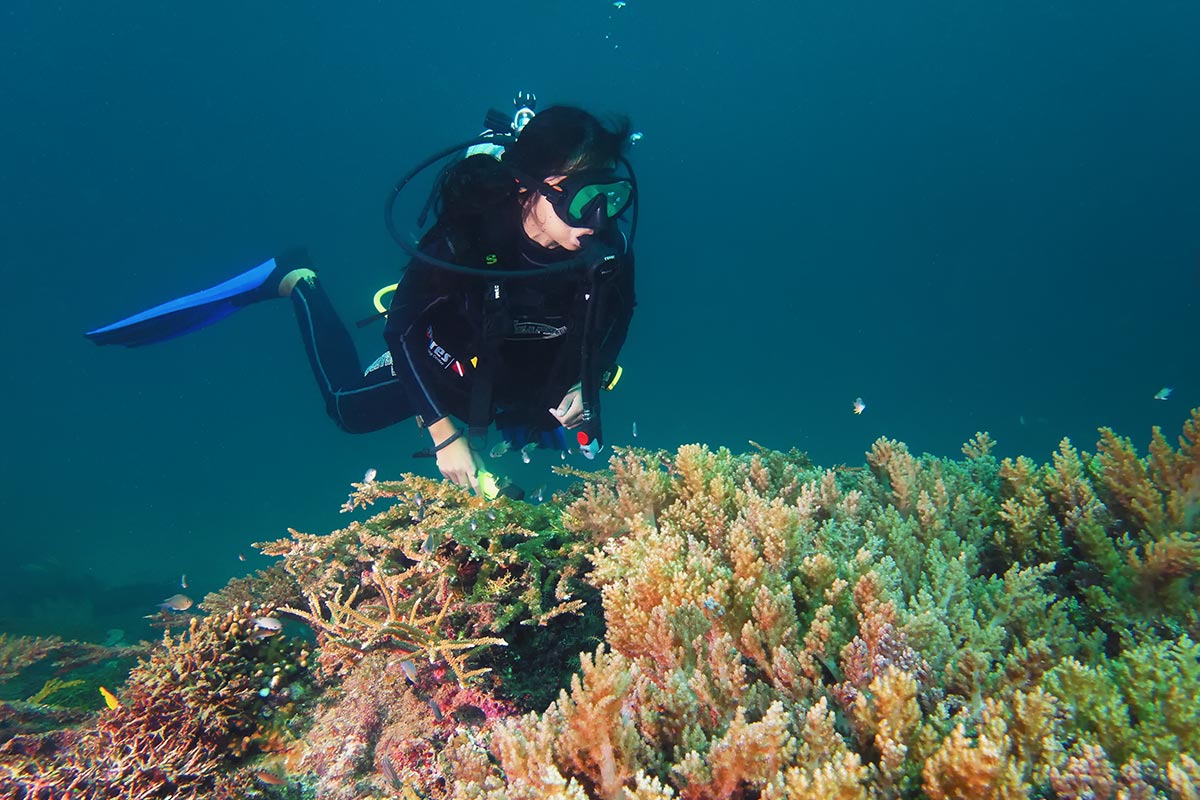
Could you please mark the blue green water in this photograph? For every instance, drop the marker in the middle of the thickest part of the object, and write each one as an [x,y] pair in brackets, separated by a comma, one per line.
[975,218]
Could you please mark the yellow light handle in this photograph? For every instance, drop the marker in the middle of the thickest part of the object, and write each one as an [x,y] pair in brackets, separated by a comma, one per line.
[489,487]
[616,376]
[378,299]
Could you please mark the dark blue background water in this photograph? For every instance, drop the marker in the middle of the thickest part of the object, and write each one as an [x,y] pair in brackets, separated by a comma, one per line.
[976,218]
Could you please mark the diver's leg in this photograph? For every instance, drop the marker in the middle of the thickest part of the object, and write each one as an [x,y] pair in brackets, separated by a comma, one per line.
[356,402]
[377,400]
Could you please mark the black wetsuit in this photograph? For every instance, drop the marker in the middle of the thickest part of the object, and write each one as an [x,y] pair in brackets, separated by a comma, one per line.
[435,332]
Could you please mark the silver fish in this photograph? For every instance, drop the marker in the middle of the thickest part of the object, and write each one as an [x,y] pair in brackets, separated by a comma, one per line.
[502,447]
[176,602]
[369,476]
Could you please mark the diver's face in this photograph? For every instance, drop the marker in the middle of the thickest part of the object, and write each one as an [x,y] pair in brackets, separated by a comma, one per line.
[544,226]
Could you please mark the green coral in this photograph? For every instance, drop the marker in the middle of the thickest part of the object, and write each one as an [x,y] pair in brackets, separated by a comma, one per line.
[1141,704]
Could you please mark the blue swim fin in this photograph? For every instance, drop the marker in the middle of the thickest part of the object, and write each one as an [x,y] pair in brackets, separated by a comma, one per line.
[201,309]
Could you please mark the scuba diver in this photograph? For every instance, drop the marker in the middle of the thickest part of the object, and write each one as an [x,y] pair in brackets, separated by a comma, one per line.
[511,311]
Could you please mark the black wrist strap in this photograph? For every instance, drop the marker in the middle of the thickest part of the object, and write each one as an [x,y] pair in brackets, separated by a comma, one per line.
[430,452]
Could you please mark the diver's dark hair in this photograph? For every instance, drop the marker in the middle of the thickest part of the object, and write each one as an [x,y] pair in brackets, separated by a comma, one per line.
[472,187]
[561,140]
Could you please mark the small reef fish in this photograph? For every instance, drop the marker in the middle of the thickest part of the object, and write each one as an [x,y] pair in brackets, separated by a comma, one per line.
[369,475]
[183,581]
[270,778]
[635,430]
[619,4]
[409,669]
[388,771]
[176,602]
[502,447]
[241,556]
[526,450]
[268,624]
[1163,393]
[859,405]
[539,494]
[110,699]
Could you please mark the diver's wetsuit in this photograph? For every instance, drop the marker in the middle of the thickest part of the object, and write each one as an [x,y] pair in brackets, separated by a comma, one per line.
[434,329]
[359,402]
[435,326]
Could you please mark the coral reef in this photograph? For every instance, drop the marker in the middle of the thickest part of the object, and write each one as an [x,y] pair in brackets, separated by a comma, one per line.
[439,575]
[698,625]
[928,628]
[19,652]
[203,702]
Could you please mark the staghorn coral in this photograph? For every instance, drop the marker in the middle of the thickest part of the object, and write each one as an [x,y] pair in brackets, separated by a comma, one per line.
[271,586]
[437,573]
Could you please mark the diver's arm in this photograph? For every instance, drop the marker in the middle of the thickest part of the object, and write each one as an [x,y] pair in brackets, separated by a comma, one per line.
[419,290]
[455,459]
[618,313]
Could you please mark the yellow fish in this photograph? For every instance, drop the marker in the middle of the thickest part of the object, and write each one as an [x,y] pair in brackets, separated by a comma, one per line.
[110,699]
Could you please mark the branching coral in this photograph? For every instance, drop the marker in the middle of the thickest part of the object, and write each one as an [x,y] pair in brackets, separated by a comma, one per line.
[18,652]
[202,702]
[918,628]
[1132,521]
[726,591]
[435,573]
[1134,706]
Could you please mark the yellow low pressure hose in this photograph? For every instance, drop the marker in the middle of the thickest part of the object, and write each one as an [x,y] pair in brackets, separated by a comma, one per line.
[378,299]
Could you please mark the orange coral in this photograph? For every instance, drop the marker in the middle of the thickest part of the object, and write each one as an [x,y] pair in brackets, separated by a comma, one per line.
[891,461]
[962,771]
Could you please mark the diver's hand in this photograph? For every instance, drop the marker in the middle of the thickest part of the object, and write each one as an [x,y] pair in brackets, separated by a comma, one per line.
[570,411]
[459,464]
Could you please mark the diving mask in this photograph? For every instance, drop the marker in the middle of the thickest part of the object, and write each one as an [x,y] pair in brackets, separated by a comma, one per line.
[589,199]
